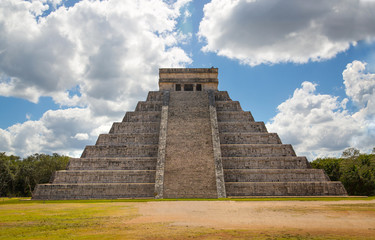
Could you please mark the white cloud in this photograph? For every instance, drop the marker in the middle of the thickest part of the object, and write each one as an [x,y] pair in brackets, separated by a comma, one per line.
[273,31]
[81,136]
[320,125]
[110,49]
[62,131]
[100,56]
[360,86]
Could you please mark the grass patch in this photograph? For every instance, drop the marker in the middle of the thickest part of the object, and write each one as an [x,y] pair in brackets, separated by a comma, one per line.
[25,200]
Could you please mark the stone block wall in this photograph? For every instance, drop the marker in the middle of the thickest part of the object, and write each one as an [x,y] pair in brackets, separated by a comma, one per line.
[135,127]
[152,116]
[279,162]
[237,127]
[322,188]
[112,163]
[234,116]
[127,138]
[249,138]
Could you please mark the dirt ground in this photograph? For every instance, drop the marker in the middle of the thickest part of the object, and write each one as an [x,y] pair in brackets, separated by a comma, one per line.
[346,218]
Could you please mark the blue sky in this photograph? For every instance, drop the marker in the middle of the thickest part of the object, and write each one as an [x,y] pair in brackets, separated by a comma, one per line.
[68,69]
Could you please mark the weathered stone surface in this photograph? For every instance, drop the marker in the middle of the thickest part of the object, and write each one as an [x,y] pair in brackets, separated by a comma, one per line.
[113,163]
[149,106]
[155,96]
[153,116]
[127,138]
[160,166]
[222,96]
[228,106]
[275,175]
[256,150]
[130,150]
[104,176]
[93,191]
[249,138]
[234,116]
[242,127]
[135,127]
[246,189]
[220,182]
[278,162]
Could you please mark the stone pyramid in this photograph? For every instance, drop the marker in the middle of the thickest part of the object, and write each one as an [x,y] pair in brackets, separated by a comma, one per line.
[188,140]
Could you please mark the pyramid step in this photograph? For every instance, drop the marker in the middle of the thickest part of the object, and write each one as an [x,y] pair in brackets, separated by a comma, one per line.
[274,175]
[256,150]
[155,96]
[107,163]
[135,127]
[234,116]
[324,188]
[121,151]
[149,106]
[127,138]
[222,96]
[104,176]
[289,162]
[150,116]
[93,191]
[249,138]
[242,127]
[228,106]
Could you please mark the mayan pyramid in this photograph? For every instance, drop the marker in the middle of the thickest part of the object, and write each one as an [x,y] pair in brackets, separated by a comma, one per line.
[188,140]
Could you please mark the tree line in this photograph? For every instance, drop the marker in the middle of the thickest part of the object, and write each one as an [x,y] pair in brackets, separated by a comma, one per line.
[18,177]
[356,171]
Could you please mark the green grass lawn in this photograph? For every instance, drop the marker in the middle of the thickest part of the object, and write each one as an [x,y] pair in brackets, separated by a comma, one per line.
[22,218]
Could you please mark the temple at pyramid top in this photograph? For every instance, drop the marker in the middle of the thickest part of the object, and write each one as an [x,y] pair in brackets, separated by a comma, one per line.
[188,79]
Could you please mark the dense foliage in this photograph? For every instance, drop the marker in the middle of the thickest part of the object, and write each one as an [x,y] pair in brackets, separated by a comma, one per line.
[18,177]
[356,171]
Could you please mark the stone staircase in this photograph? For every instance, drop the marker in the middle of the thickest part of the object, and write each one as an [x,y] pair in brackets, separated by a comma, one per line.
[189,168]
[121,164]
[256,163]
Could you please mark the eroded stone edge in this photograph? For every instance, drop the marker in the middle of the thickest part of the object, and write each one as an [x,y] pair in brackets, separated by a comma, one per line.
[159,175]
[220,184]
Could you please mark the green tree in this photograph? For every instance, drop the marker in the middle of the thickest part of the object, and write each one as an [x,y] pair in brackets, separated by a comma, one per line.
[8,172]
[350,152]
[19,177]
[358,175]
[331,166]
[355,170]
[38,168]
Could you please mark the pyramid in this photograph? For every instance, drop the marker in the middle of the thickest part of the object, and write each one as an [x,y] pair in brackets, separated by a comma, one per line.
[188,140]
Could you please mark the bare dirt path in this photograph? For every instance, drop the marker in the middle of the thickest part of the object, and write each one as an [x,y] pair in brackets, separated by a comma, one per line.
[354,218]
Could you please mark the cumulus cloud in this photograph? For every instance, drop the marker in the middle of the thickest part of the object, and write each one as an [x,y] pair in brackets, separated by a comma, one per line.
[320,125]
[98,58]
[274,31]
[110,49]
[65,131]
